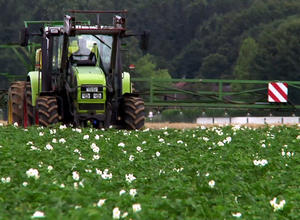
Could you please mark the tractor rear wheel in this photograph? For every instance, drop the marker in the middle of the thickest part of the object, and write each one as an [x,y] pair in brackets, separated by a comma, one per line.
[47,110]
[133,112]
[16,102]
[29,107]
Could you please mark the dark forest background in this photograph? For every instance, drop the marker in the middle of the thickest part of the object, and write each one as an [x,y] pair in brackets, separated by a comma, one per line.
[229,39]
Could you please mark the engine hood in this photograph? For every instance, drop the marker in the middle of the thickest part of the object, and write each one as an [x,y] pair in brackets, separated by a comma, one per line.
[89,75]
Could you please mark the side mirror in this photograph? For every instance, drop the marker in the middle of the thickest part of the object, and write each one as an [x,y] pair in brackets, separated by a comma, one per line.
[144,43]
[24,37]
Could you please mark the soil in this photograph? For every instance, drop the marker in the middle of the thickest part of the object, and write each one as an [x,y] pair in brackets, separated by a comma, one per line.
[153,125]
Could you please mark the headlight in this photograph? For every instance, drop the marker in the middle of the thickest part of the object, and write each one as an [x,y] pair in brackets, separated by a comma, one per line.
[92,89]
[97,96]
[85,95]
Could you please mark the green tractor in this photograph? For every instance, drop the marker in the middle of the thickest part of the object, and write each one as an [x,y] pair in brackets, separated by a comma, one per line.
[78,78]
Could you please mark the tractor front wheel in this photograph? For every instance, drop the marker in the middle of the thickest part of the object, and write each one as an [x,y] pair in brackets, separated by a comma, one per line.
[16,102]
[133,112]
[47,110]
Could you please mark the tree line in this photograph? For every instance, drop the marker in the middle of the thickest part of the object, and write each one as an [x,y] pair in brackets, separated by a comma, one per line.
[229,39]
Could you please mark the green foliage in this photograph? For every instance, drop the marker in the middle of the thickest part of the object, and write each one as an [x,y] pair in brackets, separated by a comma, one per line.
[247,54]
[188,38]
[146,67]
[173,169]
[278,55]
[214,66]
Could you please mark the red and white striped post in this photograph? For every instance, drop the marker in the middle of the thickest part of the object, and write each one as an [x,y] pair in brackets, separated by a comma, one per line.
[277,92]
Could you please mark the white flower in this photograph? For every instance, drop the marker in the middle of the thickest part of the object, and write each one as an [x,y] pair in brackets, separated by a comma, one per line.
[38,214]
[97,137]
[101,202]
[262,162]
[81,183]
[147,129]
[263,145]
[131,158]
[96,157]
[5,179]
[75,175]
[50,168]
[220,143]
[75,185]
[105,175]
[139,149]
[207,174]
[54,140]
[205,139]
[237,215]
[122,192]
[77,151]
[16,124]
[211,184]
[24,183]
[298,137]
[62,140]
[116,213]
[81,158]
[61,127]
[144,142]
[52,131]
[136,207]
[41,134]
[125,214]
[48,147]
[180,142]
[130,177]
[62,185]
[157,154]
[86,137]
[276,206]
[228,139]
[33,173]
[121,144]
[256,162]
[133,192]
[78,130]
[161,140]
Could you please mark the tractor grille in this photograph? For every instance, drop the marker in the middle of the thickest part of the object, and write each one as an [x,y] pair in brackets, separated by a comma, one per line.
[91,106]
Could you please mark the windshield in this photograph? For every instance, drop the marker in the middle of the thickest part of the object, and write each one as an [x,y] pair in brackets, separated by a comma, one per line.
[82,46]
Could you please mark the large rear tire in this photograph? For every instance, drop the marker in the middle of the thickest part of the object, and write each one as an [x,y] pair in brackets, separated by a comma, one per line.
[133,112]
[47,110]
[16,103]
[29,106]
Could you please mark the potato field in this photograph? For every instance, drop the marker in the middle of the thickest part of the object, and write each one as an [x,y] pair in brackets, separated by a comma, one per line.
[225,172]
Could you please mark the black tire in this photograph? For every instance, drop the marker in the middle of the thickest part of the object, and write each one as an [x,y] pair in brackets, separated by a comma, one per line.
[30,111]
[47,110]
[133,112]
[16,102]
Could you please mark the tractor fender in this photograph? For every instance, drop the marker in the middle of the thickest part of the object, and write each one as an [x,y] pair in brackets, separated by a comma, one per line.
[126,83]
[33,78]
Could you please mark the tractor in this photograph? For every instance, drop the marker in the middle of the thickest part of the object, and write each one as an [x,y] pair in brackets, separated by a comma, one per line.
[78,77]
